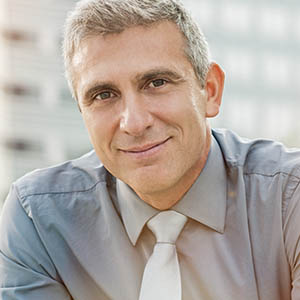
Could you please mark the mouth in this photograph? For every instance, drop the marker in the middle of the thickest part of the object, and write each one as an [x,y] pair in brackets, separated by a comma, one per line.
[145,148]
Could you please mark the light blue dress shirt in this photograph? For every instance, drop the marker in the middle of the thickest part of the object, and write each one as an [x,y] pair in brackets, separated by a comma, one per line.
[75,232]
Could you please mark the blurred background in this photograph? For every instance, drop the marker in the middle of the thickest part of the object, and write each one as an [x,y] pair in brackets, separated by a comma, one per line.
[257,42]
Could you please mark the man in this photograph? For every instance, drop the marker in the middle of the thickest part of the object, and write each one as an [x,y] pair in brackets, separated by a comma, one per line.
[141,75]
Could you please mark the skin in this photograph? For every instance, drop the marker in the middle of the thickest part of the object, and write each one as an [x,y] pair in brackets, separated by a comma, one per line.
[145,110]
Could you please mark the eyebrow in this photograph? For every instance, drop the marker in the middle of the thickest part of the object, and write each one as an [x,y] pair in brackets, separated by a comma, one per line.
[158,72]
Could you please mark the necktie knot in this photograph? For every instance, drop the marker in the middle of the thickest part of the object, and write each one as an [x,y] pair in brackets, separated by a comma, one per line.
[167,225]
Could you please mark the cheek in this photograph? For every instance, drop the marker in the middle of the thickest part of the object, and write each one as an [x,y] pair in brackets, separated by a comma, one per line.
[96,126]
[190,112]
[172,109]
[198,102]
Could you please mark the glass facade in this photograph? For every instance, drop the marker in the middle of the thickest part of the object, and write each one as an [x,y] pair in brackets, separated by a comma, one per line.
[257,43]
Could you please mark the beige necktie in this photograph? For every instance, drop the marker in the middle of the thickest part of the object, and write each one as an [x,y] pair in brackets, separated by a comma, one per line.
[161,279]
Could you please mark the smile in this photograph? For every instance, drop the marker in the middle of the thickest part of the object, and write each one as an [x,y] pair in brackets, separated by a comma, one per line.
[147,149]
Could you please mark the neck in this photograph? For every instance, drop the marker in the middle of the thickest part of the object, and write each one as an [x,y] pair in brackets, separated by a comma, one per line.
[165,199]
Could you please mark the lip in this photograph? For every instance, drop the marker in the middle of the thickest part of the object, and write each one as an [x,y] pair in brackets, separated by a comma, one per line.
[146,149]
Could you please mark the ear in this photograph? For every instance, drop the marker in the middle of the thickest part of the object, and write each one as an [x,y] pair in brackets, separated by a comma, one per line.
[214,89]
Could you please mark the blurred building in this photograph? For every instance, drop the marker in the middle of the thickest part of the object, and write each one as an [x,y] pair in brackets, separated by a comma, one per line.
[40,124]
[258,45]
[256,42]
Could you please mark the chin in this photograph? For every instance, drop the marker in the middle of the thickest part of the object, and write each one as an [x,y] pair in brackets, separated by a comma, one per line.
[149,183]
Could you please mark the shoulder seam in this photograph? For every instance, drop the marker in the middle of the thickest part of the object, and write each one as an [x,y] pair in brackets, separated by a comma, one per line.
[234,164]
[55,193]
[272,175]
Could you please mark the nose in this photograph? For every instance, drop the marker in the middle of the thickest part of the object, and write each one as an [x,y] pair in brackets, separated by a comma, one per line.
[136,117]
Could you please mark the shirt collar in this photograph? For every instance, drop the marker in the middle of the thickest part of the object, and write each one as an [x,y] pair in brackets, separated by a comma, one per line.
[134,211]
[205,202]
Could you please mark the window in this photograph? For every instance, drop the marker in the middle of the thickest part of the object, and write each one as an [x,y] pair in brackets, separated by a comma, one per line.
[240,64]
[296,25]
[19,90]
[275,70]
[273,22]
[14,35]
[203,11]
[236,17]
[21,145]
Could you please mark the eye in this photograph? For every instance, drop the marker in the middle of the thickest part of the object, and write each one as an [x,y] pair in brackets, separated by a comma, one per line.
[104,95]
[157,83]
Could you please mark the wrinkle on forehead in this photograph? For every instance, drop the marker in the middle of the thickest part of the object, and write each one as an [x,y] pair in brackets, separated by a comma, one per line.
[81,52]
[104,49]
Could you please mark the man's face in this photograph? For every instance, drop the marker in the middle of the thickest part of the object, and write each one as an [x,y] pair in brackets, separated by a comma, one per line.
[143,106]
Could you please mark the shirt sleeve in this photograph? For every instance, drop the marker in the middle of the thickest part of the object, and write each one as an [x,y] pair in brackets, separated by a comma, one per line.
[292,240]
[26,270]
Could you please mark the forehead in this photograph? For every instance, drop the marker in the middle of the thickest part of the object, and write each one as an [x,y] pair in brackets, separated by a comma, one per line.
[134,50]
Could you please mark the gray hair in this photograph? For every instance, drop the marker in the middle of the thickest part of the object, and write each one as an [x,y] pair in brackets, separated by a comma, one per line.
[94,17]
